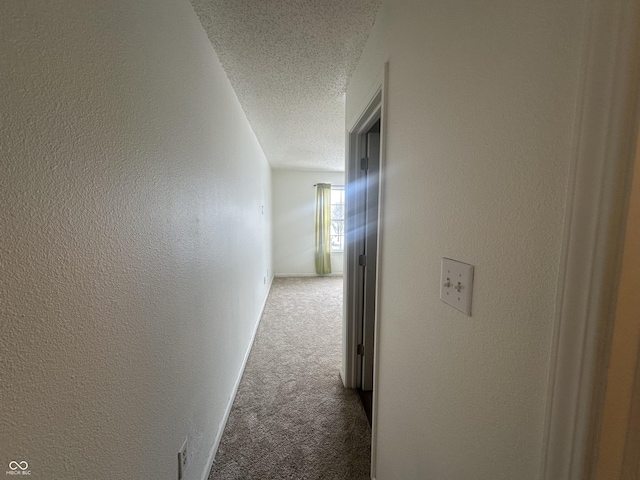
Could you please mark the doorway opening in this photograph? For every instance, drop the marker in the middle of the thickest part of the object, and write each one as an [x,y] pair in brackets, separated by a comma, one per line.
[363,186]
[367,177]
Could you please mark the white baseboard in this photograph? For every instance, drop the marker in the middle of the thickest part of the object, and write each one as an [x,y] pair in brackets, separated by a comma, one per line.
[223,422]
[284,275]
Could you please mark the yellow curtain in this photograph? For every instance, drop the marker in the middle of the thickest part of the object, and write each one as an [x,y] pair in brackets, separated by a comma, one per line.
[323,228]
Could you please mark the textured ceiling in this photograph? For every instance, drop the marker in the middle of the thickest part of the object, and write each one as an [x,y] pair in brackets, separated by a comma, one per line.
[289,62]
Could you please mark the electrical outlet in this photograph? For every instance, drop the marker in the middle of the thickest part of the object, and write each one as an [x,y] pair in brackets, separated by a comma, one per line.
[182,460]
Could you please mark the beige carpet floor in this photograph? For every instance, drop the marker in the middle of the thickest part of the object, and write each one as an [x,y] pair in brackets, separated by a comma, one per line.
[292,418]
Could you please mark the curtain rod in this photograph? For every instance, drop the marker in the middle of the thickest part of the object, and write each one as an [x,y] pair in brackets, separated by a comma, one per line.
[333,185]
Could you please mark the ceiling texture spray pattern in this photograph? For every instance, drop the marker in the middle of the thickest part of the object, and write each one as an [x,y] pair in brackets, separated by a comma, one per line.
[289,62]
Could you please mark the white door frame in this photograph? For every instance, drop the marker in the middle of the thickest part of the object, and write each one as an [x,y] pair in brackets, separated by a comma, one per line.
[372,110]
[605,133]
[355,150]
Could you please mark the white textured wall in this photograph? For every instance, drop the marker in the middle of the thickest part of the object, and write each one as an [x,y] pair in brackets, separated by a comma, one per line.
[133,247]
[480,105]
[293,221]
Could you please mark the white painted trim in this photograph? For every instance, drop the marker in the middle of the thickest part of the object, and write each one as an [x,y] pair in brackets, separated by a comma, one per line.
[376,343]
[225,418]
[371,109]
[604,133]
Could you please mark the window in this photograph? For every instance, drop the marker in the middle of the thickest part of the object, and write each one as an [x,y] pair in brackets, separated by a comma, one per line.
[337,218]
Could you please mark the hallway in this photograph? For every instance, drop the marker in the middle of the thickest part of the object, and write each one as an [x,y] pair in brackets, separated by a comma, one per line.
[157,164]
[292,418]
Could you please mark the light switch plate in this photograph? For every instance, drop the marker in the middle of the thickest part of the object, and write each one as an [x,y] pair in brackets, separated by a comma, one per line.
[456,284]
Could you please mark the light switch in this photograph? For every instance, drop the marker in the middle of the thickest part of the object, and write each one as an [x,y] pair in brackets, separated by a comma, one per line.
[456,284]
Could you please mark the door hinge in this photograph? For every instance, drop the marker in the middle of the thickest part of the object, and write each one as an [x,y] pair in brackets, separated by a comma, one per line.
[362,260]
[364,163]
[360,349]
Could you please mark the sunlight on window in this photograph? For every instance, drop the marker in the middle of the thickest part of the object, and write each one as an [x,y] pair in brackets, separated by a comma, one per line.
[337,219]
